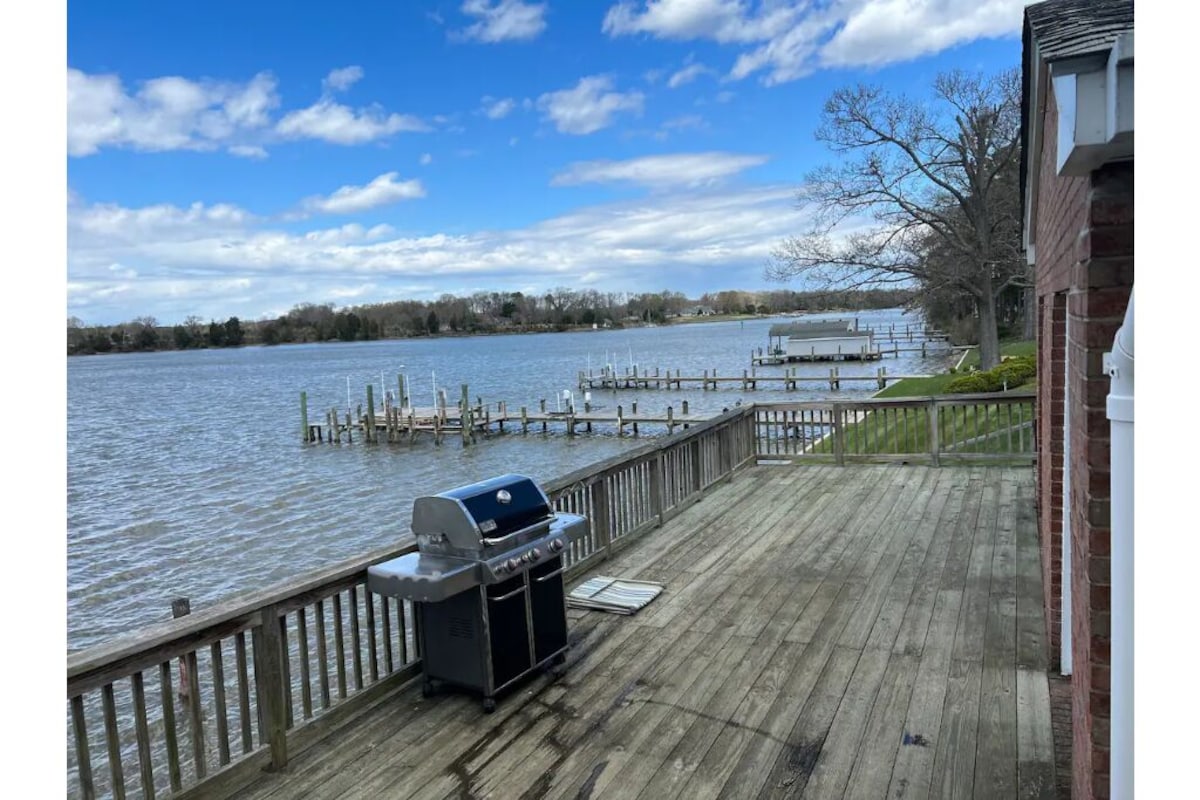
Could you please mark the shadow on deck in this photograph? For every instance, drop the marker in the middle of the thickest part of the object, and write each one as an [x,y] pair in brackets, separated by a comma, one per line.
[826,632]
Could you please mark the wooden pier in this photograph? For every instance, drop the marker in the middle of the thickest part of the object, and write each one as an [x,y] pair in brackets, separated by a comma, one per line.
[397,424]
[749,380]
[760,358]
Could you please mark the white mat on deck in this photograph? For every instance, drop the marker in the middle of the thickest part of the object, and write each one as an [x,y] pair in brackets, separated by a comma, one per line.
[613,594]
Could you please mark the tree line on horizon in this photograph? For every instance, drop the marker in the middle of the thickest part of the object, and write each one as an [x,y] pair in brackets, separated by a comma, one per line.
[562,309]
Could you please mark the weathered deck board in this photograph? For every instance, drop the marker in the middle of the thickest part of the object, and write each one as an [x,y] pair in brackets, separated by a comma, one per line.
[814,616]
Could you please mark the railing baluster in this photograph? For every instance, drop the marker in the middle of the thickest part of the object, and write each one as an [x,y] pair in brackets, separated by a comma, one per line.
[83,760]
[322,656]
[285,667]
[305,668]
[356,638]
[145,763]
[339,645]
[386,615]
[243,692]
[372,648]
[112,736]
[218,671]
[168,704]
[195,714]
[402,625]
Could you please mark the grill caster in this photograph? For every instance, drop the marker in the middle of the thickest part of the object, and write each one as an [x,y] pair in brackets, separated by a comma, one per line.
[428,689]
[489,705]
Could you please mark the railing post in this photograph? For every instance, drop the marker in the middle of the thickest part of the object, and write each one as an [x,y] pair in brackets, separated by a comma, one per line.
[656,488]
[601,519]
[935,446]
[839,431]
[271,688]
[697,475]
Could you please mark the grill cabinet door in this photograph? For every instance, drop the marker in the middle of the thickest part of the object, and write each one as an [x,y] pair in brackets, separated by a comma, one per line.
[549,609]
[508,629]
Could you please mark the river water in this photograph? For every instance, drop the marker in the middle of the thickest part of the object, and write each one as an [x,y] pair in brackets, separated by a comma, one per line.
[186,475]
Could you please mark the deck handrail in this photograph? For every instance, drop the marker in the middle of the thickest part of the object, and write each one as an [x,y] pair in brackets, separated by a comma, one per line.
[988,427]
[270,685]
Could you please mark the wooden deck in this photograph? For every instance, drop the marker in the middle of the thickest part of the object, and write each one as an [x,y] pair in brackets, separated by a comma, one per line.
[861,631]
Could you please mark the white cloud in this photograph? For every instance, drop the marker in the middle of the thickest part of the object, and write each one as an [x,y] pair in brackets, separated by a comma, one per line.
[687,75]
[341,79]
[169,113]
[174,113]
[678,170]
[339,124]
[789,39]
[885,31]
[497,109]
[248,151]
[384,190]
[589,106]
[208,259]
[426,159]
[503,20]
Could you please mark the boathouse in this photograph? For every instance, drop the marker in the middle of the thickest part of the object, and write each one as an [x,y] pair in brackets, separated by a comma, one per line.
[821,340]
[1077,196]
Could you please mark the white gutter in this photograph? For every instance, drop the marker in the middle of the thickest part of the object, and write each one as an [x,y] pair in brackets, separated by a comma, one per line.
[1120,413]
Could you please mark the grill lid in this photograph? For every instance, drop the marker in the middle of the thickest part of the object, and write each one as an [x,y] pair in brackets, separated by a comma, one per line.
[492,508]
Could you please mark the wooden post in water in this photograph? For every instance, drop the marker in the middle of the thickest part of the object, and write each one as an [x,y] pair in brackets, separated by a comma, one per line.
[706,380]
[305,433]
[881,372]
[685,408]
[670,420]
[524,420]
[620,421]
[467,413]
[372,434]
[745,380]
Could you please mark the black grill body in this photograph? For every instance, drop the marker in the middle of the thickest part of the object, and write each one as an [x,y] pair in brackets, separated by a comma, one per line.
[486,582]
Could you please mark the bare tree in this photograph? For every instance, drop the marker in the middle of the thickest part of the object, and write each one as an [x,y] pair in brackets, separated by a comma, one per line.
[924,192]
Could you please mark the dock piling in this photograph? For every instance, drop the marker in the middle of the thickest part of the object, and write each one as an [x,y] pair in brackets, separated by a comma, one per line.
[305,433]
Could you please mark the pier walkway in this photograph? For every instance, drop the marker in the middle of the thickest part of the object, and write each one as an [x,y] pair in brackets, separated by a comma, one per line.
[863,631]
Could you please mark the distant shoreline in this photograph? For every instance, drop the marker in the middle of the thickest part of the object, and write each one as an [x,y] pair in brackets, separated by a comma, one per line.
[581,328]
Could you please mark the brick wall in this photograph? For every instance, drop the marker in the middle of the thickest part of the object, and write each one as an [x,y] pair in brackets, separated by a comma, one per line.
[1101,280]
[1084,251]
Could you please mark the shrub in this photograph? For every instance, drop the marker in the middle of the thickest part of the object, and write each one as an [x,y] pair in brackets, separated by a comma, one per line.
[973,383]
[1012,372]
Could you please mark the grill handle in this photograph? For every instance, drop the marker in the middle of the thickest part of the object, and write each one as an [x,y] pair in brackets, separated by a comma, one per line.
[507,536]
[549,575]
[508,596]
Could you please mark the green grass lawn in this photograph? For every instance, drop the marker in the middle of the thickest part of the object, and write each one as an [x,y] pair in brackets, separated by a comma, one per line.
[936,384]
[976,428]
[982,428]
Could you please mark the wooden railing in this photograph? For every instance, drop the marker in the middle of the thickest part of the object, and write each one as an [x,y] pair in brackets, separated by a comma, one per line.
[196,706]
[918,430]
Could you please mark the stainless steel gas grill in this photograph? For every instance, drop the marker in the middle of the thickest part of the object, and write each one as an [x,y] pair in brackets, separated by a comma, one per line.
[487,583]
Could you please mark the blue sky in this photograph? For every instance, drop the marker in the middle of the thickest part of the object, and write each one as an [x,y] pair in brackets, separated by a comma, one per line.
[239,158]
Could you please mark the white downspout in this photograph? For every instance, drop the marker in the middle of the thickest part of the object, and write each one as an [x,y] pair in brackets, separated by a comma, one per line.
[1120,415]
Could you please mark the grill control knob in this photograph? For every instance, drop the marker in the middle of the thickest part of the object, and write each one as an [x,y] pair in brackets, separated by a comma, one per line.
[556,545]
[527,557]
[536,553]
[512,564]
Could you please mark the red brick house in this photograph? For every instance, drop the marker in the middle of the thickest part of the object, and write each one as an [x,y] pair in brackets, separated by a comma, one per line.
[1077,192]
